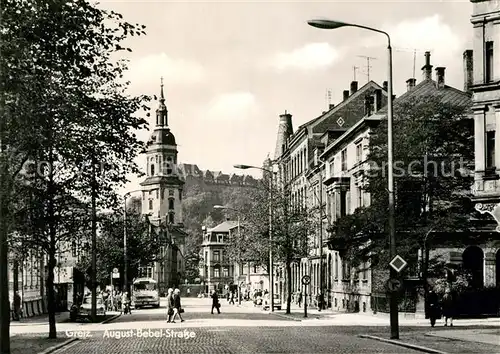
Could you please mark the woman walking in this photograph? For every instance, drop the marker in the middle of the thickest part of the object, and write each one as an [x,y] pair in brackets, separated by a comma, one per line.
[215,302]
[170,305]
[177,305]
[448,304]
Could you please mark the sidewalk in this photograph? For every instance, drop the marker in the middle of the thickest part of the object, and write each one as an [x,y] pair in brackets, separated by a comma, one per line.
[61,317]
[443,341]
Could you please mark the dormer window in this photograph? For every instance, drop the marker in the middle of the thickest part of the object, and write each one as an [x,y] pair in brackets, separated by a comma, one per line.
[220,238]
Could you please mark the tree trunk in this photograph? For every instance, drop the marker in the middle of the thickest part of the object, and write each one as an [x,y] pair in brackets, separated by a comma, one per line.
[288,285]
[94,248]
[50,288]
[4,281]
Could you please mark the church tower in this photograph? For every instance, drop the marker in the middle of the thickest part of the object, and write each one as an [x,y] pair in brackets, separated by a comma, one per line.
[162,188]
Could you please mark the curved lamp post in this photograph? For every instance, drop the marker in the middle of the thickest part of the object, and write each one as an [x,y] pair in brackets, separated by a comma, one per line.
[239,237]
[271,266]
[330,24]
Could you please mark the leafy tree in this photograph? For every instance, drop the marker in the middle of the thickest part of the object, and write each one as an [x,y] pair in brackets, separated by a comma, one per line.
[143,246]
[292,230]
[63,103]
[433,142]
[192,260]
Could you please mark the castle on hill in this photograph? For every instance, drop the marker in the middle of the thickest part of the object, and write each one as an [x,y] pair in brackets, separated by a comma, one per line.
[191,174]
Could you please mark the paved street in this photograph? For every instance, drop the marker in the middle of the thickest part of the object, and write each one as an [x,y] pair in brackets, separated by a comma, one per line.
[247,329]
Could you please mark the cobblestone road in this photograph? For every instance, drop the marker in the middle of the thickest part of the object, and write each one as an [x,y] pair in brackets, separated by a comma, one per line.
[235,340]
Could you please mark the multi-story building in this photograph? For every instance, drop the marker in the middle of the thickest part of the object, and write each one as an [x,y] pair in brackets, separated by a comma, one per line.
[346,160]
[301,171]
[483,80]
[216,269]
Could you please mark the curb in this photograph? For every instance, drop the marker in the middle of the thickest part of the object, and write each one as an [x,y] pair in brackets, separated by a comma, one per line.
[285,316]
[403,344]
[58,346]
[111,319]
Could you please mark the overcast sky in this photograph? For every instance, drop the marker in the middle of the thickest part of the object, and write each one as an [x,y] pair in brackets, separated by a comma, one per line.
[231,67]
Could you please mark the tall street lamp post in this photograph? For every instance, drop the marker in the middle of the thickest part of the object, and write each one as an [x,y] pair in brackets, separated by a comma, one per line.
[125,257]
[239,245]
[329,24]
[271,266]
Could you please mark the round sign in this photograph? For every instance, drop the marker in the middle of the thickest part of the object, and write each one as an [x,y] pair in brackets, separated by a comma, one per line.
[115,270]
[306,280]
[393,285]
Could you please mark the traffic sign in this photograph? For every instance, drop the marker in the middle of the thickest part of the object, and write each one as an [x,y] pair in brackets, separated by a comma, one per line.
[116,275]
[398,263]
[393,284]
[306,279]
[115,270]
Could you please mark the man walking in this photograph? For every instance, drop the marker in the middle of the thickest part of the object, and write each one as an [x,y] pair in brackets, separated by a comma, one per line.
[215,302]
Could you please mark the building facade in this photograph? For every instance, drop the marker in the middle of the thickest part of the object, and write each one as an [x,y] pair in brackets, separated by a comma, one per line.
[302,174]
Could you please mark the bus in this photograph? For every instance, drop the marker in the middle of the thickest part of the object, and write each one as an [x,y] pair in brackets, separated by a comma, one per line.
[145,293]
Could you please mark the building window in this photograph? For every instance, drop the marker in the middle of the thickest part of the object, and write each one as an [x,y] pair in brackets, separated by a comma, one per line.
[490,149]
[359,152]
[152,170]
[489,63]
[220,238]
[73,249]
[332,168]
[216,272]
[216,256]
[171,204]
[346,270]
[150,204]
[360,196]
[157,194]
[336,266]
[365,271]
[162,193]
[171,218]
[343,203]
[180,195]
[225,272]
[343,159]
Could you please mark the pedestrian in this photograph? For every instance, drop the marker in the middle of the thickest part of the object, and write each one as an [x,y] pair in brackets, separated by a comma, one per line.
[432,307]
[17,306]
[126,303]
[231,298]
[215,302]
[299,298]
[188,292]
[448,305]
[177,305]
[170,305]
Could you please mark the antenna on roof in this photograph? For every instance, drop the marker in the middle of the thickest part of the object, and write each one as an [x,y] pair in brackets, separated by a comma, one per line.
[328,98]
[414,51]
[368,66]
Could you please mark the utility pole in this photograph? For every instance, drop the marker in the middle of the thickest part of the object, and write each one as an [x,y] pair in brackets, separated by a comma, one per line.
[368,66]
[94,240]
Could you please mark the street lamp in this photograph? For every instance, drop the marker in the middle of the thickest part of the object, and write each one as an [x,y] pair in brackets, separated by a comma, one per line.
[239,240]
[329,24]
[271,266]
[125,259]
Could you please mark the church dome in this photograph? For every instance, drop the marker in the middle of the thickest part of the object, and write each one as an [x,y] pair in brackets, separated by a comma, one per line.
[162,136]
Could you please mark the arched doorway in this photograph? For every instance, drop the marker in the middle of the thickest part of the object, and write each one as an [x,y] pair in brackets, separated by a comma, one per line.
[473,262]
[497,267]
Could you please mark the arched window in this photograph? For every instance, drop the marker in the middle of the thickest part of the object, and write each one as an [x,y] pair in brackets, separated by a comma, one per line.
[171,218]
[169,165]
[171,204]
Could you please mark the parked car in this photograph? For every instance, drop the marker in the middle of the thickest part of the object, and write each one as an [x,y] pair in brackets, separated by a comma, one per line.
[277,302]
[85,310]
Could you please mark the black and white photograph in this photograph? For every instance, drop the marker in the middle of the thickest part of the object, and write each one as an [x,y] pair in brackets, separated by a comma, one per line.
[249,176]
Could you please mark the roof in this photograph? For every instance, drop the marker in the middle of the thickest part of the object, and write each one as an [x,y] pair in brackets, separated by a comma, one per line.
[224,227]
[162,135]
[449,94]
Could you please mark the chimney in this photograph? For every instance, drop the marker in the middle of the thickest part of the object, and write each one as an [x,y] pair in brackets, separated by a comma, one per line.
[331,106]
[354,87]
[346,94]
[385,86]
[427,68]
[377,100]
[468,70]
[410,83]
[440,76]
